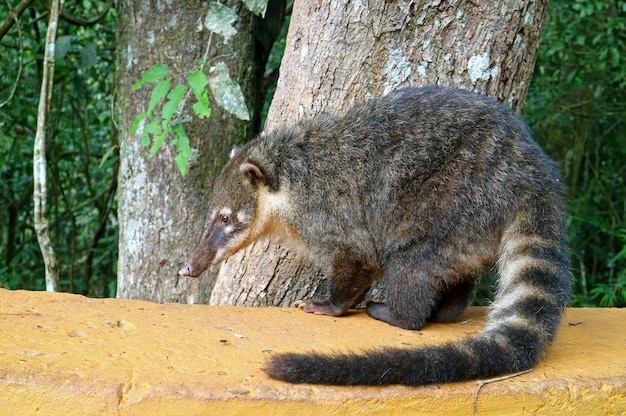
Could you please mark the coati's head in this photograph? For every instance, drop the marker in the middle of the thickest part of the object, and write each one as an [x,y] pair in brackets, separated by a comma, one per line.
[239,212]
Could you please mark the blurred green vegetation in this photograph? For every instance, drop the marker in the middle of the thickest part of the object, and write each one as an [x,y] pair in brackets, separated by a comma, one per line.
[575,105]
[81,149]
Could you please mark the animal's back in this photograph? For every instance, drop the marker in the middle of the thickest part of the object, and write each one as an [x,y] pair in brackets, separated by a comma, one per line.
[430,164]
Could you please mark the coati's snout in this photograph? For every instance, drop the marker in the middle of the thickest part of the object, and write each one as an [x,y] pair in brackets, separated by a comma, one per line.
[203,256]
[226,234]
[235,219]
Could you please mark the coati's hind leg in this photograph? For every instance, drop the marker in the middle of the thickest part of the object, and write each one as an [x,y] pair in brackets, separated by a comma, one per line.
[411,292]
[455,299]
[348,282]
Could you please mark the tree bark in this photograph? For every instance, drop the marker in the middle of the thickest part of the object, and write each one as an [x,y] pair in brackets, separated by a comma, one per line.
[161,214]
[339,54]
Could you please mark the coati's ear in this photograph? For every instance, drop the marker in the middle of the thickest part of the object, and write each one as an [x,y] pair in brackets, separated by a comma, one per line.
[234,151]
[253,172]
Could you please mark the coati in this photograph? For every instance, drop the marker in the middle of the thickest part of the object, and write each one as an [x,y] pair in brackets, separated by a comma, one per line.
[423,188]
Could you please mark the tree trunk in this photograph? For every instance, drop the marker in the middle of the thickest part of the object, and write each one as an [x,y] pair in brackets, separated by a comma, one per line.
[338,54]
[161,214]
[40,187]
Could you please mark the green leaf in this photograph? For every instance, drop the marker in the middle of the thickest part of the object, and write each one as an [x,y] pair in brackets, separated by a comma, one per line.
[201,109]
[182,140]
[198,82]
[182,143]
[174,98]
[144,138]
[158,93]
[181,163]
[154,73]
[219,20]
[88,55]
[62,46]
[227,92]
[620,255]
[135,124]
[257,7]
[615,57]
[153,127]
[158,141]
[106,156]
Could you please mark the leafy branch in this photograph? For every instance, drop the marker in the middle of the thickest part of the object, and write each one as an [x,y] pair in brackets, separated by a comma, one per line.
[164,114]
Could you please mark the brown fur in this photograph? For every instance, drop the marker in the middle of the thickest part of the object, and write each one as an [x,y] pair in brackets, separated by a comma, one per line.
[424,188]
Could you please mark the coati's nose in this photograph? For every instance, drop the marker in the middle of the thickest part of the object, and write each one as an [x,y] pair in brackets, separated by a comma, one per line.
[186,270]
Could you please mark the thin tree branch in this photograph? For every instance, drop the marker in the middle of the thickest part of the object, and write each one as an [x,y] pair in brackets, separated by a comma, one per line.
[84,22]
[481,383]
[39,153]
[13,16]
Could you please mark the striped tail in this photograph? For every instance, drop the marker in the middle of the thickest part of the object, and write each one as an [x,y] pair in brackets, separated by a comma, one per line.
[534,287]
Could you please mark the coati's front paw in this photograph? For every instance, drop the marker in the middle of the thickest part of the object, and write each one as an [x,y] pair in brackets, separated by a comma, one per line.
[319,307]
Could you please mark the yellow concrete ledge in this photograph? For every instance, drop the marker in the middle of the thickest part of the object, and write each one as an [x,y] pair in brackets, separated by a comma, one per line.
[64,354]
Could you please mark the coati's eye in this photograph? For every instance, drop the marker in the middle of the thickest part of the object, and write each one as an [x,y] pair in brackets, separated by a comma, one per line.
[225,219]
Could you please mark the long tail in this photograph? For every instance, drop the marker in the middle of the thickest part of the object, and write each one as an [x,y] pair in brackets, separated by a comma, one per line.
[473,359]
[533,289]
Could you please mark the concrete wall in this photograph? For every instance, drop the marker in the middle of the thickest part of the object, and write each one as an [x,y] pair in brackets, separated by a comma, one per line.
[64,354]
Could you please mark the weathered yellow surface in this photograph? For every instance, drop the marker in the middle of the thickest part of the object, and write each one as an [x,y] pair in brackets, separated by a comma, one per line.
[64,354]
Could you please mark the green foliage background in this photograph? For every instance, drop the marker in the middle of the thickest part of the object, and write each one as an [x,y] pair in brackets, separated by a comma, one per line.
[81,150]
[576,106]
